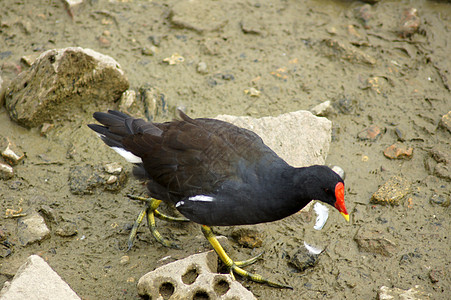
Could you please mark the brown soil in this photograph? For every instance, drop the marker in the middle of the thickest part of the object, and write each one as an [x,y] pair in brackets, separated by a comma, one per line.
[298,54]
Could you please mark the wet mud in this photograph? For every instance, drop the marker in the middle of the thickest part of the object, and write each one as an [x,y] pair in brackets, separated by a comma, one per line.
[380,65]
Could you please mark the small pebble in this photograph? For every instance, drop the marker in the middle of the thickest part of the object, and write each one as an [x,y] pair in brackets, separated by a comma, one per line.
[435,275]
[104,42]
[446,121]
[149,51]
[253,92]
[6,171]
[249,238]
[46,128]
[10,151]
[112,179]
[410,22]
[127,99]
[202,68]
[398,151]
[113,168]
[174,59]
[364,13]
[371,133]
[440,200]
[66,229]
[345,106]
[124,260]
[322,109]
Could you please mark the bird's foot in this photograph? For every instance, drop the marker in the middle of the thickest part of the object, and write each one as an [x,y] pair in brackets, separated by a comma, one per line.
[154,203]
[150,211]
[235,266]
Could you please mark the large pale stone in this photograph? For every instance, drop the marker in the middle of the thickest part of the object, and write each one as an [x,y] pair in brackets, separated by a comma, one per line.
[194,277]
[35,279]
[299,137]
[62,82]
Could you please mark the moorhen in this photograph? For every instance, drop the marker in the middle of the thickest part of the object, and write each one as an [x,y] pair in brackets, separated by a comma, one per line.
[216,174]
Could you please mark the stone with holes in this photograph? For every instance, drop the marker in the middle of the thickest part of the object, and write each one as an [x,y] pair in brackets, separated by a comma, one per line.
[193,277]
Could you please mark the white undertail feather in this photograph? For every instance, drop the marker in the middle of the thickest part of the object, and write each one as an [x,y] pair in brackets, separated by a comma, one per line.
[202,198]
[322,213]
[130,157]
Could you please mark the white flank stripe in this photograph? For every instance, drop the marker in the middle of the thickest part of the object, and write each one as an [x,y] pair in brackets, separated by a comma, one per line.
[202,198]
[130,157]
[322,214]
[311,249]
[179,203]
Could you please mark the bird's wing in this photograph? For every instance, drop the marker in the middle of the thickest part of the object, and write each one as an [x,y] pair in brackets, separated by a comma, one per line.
[194,156]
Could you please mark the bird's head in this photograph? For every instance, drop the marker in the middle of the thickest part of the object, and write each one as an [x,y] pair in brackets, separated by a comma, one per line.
[327,186]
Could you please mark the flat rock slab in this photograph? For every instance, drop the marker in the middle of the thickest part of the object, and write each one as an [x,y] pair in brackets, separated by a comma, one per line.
[299,137]
[35,279]
[375,241]
[62,82]
[194,277]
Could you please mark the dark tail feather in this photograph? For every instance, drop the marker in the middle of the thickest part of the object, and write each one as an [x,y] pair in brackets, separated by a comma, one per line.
[118,125]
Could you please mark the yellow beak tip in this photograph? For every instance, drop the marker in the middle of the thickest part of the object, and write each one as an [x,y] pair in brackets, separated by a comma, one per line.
[346,216]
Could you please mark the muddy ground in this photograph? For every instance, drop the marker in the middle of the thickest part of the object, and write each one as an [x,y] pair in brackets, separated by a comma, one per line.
[297,54]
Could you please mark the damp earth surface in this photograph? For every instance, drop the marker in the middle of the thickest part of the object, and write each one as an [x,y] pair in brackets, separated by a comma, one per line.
[384,67]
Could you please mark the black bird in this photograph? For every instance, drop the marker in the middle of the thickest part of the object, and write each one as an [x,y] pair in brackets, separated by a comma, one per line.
[217,174]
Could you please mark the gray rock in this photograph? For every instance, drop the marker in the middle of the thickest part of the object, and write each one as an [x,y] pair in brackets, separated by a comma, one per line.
[303,258]
[66,229]
[375,241]
[62,81]
[299,137]
[415,293]
[32,228]
[35,279]
[191,278]
[322,109]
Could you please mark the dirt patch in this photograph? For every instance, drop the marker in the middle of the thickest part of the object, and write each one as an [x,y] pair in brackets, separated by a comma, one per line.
[254,58]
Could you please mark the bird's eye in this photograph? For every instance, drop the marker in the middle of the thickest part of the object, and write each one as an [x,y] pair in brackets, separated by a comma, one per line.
[326,190]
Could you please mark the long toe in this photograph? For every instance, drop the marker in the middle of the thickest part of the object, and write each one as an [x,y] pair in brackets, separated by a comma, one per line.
[134,231]
[247,262]
[257,278]
[156,234]
[165,217]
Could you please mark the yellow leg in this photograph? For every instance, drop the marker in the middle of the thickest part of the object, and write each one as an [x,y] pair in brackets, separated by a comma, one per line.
[233,266]
[150,210]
